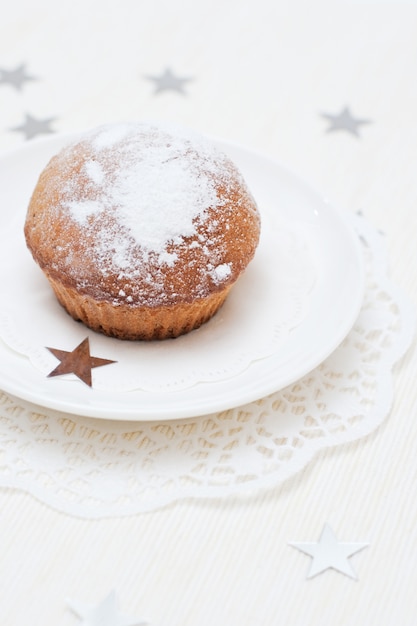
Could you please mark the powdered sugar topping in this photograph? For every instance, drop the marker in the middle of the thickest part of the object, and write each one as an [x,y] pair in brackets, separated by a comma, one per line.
[221,272]
[157,192]
[95,172]
[146,197]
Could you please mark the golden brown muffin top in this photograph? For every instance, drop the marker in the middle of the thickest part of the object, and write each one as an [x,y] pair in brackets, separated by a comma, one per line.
[143,214]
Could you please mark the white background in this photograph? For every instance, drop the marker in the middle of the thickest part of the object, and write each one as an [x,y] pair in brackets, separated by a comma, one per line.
[262,74]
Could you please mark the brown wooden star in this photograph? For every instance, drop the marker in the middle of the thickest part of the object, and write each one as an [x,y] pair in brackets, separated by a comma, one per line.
[78,362]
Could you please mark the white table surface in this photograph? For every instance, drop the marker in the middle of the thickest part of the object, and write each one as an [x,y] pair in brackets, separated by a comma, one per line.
[262,74]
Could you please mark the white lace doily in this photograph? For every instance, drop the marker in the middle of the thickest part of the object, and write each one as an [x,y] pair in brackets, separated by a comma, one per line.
[96,468]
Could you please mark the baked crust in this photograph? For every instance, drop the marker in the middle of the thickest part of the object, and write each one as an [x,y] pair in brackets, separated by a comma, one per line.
[92,253]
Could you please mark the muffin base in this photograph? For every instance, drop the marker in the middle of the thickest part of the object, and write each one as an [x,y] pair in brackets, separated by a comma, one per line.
[138,322]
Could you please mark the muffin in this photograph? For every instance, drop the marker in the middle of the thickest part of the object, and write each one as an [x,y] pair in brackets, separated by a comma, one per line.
[142,229]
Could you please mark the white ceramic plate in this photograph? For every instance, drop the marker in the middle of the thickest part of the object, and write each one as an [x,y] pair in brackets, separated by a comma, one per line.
[334,300]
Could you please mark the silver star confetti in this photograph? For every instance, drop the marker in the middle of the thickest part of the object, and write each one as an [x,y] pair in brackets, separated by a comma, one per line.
[169,82]
[16,77]
[329,553]
[106,613]
[345,121]
[32,127]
